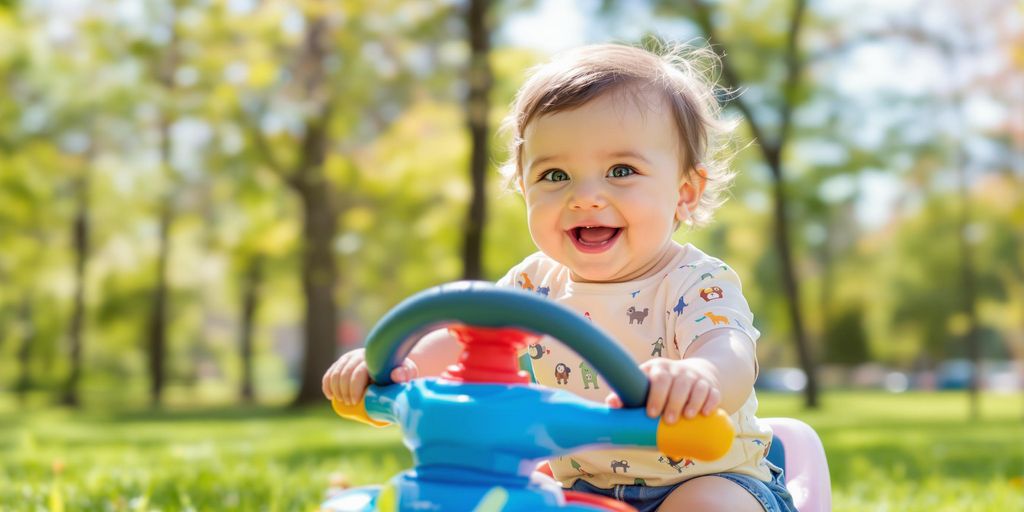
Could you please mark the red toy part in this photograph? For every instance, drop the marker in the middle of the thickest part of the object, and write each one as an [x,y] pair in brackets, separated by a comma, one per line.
[584,498]
[489,355]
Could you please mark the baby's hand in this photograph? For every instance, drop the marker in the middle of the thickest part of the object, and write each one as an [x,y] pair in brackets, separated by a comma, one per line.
[678,387]
[346,380]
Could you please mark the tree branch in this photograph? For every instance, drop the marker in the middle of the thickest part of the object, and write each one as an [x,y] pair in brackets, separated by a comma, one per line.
[794,66]
[265,150]
[732,80]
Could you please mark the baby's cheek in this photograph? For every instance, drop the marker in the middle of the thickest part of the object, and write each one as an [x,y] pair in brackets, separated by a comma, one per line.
[544,230]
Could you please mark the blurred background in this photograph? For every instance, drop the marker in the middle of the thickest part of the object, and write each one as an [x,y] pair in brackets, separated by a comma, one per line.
[204,202]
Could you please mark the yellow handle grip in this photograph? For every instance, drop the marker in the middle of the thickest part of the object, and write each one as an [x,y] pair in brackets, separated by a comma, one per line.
[703,437]
[356,412]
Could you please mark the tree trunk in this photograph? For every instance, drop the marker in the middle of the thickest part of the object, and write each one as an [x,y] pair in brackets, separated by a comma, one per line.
[28,335]
[166,67]
[319,221]
[793,290]
[319,270]
[319,276]
[80,240]
[827,282]
[968,280]
[250,305]
[158,315]
[953,54]
[477,108]
[1014,338]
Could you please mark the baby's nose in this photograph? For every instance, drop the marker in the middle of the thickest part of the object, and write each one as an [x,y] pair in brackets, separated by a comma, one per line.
[585,196]
[585,205]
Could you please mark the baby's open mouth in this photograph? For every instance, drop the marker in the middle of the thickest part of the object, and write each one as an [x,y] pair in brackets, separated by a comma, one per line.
[594,238]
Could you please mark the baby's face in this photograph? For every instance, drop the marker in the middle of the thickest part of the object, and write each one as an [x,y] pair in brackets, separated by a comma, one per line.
[604,186]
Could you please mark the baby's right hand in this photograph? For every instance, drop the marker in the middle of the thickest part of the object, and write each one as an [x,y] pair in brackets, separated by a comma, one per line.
[346,380]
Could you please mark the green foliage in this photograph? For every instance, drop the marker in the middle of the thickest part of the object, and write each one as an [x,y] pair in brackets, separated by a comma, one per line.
[921,275]
[846,340]
[90,105]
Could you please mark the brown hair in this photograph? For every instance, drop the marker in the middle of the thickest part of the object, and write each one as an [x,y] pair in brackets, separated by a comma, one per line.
[683,75]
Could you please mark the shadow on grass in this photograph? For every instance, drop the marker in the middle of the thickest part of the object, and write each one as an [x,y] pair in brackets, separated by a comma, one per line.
[375,455]
[220,414]
[235,412]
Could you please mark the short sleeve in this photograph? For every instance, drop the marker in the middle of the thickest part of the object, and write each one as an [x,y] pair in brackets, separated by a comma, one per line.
[509,280]
[524,273]
[713,301]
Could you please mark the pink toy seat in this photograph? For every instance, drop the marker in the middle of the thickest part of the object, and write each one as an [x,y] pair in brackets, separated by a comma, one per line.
[806,468]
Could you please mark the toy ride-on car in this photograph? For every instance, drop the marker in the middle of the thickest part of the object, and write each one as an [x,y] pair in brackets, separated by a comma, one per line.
[478,432]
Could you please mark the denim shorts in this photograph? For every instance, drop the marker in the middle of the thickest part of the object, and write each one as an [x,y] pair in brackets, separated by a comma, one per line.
[772,494]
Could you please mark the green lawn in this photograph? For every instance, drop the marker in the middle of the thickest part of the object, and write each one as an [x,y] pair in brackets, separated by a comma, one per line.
[887,452]
[918,451]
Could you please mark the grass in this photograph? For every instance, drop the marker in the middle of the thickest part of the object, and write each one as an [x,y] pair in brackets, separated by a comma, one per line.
[240,459]
[917,451]
[886,452]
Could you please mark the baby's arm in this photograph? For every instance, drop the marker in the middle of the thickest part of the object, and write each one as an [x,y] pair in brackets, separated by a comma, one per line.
[717,370]
[435,352]
[347,378]
[730,358]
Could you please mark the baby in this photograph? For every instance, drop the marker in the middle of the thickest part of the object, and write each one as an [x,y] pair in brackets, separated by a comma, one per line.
[611,151]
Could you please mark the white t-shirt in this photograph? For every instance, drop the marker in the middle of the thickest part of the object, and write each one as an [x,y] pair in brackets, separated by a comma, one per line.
[658,316]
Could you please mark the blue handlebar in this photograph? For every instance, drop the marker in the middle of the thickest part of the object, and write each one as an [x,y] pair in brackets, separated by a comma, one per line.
[483,304]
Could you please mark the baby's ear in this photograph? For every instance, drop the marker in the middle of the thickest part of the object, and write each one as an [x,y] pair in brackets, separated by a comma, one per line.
[691,188]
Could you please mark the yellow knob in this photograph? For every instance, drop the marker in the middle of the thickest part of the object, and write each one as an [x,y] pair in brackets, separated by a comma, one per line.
[702,437]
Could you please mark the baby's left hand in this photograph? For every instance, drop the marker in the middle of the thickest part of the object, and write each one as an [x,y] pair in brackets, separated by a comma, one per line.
[678,387]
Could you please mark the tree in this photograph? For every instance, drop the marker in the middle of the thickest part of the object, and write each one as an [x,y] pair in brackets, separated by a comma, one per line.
[477,113]
[250,304]
[165,67]
[80,243]
[43,155]
[354,100]
[319,208]
[958,44]
[772,149]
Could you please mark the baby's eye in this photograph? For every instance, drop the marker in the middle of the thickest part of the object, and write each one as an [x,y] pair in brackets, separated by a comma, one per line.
[621,171]
[555,175]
